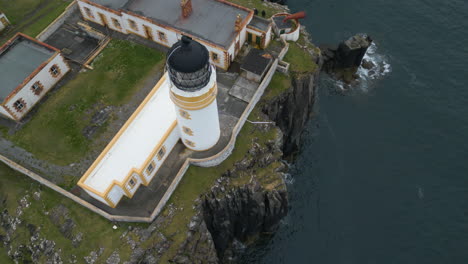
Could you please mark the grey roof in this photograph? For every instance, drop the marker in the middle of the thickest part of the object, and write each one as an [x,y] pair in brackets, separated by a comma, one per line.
[282,25]
[257,61]
[210,19]
[114,4]
[18,61]
[260,23]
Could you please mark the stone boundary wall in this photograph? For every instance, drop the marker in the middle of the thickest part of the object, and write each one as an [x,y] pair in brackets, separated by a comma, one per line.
[49,30]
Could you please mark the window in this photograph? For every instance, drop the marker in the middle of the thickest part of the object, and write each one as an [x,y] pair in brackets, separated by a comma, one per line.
[37,88]
[162,36]
[187,131]
[161,153]
[116,23]
[184,114]
[54,71]
[189,143]
[89,13]
[214,56]
[150,167]
[19,105]
[132,182]
[133,25]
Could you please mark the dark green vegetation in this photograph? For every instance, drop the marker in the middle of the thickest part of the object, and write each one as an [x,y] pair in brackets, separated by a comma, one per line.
[44,215]
[30,16]
[118,74]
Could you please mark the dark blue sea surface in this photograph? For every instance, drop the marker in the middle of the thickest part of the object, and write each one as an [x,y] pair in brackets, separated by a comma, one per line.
[383,175]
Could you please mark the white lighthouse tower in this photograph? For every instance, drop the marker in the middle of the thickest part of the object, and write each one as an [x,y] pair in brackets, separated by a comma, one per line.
[193,91]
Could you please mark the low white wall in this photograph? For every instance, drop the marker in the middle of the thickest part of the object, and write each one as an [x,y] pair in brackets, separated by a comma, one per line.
[57,22]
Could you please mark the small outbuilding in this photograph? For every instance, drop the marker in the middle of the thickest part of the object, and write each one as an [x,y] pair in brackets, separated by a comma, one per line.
[256,64]
[4,22]
[259,32]
[28,70]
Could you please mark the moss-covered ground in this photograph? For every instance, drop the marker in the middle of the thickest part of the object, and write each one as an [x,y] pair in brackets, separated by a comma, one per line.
[30,16]
[55,131]
[97,232]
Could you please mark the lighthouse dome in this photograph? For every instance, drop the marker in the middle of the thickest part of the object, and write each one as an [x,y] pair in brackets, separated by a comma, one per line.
[188,65]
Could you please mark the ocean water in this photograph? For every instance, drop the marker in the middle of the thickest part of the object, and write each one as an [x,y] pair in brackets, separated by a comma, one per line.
[383,176]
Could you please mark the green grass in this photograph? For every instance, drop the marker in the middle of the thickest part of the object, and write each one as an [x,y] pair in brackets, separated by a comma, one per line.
[97,231]
[279,83]
[259,5]
[55,132]
[300,59]
[31,16]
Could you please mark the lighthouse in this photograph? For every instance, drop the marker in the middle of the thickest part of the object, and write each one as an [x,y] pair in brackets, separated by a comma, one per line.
[193,90]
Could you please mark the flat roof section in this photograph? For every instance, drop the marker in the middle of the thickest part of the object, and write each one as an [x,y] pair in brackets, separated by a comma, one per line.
[257,61]
[114,4]
[18,60]
[137,139]
[260,23]
[210,19]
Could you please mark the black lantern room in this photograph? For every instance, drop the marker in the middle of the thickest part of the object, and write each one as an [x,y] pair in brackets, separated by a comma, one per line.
[188,65]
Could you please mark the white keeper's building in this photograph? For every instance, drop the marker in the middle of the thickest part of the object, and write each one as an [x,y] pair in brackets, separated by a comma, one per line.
[221,26]
[28,70]
[4,22]
[182,106]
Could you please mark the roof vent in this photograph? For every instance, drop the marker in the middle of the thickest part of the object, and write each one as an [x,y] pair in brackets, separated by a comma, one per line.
[186,6]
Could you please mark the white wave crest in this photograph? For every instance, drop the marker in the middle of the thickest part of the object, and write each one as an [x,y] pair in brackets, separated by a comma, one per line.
[381,67]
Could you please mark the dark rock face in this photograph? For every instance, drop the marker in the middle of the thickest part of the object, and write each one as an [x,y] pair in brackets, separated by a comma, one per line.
[242,214]
[343,62]
[292,110]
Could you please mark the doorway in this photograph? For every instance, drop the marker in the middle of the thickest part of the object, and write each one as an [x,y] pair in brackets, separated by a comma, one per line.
[148,32]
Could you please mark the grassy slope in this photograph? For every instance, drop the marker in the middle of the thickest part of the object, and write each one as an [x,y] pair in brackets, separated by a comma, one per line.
[97,232]
[31,16]
[118,73]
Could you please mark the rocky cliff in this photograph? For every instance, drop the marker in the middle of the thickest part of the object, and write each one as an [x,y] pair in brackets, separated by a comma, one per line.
[292,109]
[234,215]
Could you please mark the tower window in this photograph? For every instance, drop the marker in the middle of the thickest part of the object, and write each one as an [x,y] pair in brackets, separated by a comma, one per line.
[116,23]
[162,36]
[161,153]
[133,25]
[19,105]
[37,88]
[150,167]
[214,56]
[189,143]
[54,70]
[89,13]
[184,114]
[187,131]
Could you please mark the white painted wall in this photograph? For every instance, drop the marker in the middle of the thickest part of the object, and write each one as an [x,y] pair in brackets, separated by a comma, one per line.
[47,81]
[172,36]
[169,144]
[135,187]
[292,36]
[115,194]
[204,122]
[4,112]
[268,37]
[97,197]
[97,18]
[3,26]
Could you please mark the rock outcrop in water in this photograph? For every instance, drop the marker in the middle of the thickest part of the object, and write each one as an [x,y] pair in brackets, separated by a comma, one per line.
[344,61]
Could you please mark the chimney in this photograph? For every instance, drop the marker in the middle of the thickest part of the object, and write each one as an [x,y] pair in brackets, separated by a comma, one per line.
[186,6]
[237,26]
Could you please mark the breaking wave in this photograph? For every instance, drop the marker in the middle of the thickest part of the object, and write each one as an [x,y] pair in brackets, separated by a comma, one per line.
[380,68]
